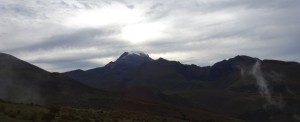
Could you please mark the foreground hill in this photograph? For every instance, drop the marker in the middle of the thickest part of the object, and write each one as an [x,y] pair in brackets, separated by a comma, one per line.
[25,83]
[12,112]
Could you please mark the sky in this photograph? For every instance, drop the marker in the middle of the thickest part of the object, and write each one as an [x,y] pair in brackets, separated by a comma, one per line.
[64,35]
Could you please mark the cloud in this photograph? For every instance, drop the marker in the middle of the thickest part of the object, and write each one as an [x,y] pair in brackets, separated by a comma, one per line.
[61,35]
[68,50]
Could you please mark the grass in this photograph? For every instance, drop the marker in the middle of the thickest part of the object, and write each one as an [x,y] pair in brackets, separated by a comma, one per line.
[17,112]
[12,112]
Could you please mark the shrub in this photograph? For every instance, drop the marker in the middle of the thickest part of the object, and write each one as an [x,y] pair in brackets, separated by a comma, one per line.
[2,108]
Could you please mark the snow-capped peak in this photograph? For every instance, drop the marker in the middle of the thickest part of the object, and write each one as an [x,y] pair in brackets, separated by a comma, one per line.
[139,53]
[130,59]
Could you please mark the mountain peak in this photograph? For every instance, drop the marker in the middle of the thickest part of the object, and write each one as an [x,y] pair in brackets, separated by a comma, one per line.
[239,60]
[131,59]
[244,57]
[4,55]
[134,53]
[140,53]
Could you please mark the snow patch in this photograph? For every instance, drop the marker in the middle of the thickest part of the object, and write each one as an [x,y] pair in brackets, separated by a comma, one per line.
[139,53]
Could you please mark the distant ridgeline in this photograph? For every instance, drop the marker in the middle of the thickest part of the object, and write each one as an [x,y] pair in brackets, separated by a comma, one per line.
[238,89]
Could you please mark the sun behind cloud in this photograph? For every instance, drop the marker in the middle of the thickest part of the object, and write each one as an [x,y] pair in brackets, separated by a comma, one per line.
[131,21]
[114,14]
[143,32]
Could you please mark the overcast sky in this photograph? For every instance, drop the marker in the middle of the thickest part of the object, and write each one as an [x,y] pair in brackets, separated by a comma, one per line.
[62,35]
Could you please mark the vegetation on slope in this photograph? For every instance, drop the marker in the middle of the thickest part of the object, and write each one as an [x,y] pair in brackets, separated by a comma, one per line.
[12,112]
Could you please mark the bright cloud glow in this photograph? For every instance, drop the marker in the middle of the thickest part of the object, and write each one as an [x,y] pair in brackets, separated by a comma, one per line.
[137,33]
[115,14]
[130,20]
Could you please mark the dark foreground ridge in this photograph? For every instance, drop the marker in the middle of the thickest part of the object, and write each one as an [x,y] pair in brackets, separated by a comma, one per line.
[138,88]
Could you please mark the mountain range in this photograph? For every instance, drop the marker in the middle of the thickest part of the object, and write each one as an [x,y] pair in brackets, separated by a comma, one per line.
[237,74]
[241,88]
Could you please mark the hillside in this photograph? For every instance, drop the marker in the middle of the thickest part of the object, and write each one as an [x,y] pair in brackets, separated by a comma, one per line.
[242,87]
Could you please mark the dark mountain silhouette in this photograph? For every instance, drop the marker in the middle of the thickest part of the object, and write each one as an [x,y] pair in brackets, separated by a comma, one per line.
[237,89]
[131,69]
[129,60]
[22,82]
[241,86]
[119,71]
[234,74]
[26,83]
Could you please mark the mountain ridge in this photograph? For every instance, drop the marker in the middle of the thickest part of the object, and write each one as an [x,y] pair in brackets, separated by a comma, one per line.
[254,85]
[219,71]
[240,87]
[25,83]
